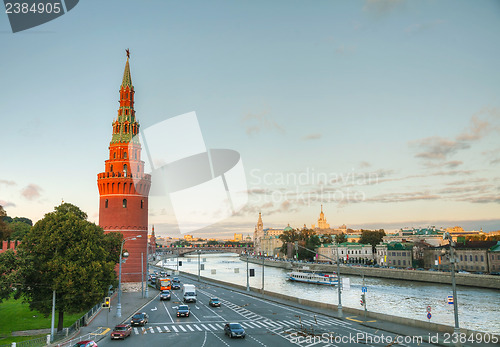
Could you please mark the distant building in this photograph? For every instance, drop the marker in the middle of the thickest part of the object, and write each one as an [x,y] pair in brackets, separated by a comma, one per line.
[323,228]
[322,224]
[347,252]
[238,237]
[429,235]
[494,258]
[394,254]
[262,237]
[472,256]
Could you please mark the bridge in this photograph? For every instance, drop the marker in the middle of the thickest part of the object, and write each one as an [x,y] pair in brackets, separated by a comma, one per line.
[181,251]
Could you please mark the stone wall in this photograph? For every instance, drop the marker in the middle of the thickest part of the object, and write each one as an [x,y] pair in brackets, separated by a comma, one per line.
[471,280]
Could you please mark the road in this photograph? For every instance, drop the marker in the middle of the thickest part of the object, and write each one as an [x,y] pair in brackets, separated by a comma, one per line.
[266,324]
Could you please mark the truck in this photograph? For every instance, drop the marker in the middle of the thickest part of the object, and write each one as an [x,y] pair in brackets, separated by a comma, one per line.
[189,293]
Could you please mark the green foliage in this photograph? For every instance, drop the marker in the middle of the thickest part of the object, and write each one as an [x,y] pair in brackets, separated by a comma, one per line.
[19,229]
[372,237]
[9,266]
[4,227]
[306,238]
[326,239]
[22,220]
[66,253]
[340,238]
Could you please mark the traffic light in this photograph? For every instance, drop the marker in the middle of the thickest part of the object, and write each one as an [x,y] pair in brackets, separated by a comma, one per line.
[252,272]
[180,263]
[362,301]
[107,302]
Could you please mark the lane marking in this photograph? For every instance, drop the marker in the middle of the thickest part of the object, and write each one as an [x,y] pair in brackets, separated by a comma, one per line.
[182,328]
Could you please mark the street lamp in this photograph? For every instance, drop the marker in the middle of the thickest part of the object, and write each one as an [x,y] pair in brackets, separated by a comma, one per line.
[119,305]
[447,236]
[199,253]
[339,283]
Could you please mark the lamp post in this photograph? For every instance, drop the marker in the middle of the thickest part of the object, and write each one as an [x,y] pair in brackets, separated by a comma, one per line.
[119,305]
[248,280]
[447,236]
[199,253]
[339,306]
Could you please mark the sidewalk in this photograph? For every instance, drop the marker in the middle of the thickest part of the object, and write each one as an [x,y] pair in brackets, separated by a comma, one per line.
[106,319]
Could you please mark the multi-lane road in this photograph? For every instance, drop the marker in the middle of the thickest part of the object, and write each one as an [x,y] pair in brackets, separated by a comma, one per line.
[266,324]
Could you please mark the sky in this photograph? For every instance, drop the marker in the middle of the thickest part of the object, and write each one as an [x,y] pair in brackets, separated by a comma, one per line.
[386,112]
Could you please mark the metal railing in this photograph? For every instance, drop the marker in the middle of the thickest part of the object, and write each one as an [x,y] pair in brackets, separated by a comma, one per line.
[63,334]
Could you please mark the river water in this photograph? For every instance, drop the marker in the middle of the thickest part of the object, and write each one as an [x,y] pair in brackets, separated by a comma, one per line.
[479,309]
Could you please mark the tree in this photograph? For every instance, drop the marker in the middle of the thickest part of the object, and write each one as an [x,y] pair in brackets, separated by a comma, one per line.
[288,236]
[9,266]
[340,238]
[372,237]
[4,227]
[326,239]
[66,253]
[18,229]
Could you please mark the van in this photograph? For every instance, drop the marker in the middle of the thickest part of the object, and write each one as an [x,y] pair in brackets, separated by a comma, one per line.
[189,293]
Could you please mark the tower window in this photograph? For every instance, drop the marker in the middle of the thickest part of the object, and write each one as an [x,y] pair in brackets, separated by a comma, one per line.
[106,204]
[142,203]
[125,170]
[124,203]
[125,155]
[114,155]
[111,168]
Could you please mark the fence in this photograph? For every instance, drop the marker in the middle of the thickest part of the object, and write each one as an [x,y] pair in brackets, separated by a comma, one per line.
[60,335]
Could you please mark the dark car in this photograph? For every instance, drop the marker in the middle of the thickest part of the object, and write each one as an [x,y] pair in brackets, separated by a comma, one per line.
[165,295]
[214,302]
[183,311]
[234,330]
[140,318]
[88,343]
[176,286]
[176,280]
[121,332]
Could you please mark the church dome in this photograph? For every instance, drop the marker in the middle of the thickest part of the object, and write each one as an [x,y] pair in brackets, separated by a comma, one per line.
[288,228]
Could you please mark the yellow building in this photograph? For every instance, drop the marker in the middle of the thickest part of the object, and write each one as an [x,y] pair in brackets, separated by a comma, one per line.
[238,237]
[322,224]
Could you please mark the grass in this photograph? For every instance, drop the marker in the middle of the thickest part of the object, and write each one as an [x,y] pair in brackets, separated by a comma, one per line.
[16,315]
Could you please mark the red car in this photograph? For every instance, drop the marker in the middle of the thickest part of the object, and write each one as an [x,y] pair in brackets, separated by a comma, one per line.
[121,332]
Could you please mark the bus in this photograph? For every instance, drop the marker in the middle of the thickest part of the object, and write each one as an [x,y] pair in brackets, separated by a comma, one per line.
[163,283]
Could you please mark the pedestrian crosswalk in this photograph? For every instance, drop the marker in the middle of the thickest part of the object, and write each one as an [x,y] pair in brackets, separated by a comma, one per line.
[267,324]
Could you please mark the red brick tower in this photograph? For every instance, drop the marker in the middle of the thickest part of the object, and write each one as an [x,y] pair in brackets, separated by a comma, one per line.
[123,186]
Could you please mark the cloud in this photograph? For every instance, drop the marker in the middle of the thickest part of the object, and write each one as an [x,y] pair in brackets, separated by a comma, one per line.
[364,164]
[315,136]
[5,204]
[477,130]
[31,192]
[8,183]
[256,123]
[435,149]
[438,148]
[381,7]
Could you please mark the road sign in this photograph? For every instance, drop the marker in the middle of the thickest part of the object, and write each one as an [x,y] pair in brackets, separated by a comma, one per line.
[450,299]
[429,308]
[429,315]
[364,289]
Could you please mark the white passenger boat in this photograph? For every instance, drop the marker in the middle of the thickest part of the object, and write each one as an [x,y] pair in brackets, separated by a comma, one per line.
[313,277]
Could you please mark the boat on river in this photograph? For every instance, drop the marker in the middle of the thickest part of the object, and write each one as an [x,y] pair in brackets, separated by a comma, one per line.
[308,276]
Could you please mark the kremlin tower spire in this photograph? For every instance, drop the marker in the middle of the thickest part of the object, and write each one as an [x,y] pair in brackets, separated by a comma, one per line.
[123,186]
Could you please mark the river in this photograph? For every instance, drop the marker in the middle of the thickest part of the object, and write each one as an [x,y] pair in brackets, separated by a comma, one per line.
[479,309]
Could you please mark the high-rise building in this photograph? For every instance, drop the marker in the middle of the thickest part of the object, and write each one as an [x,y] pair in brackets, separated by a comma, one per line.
[124,187]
